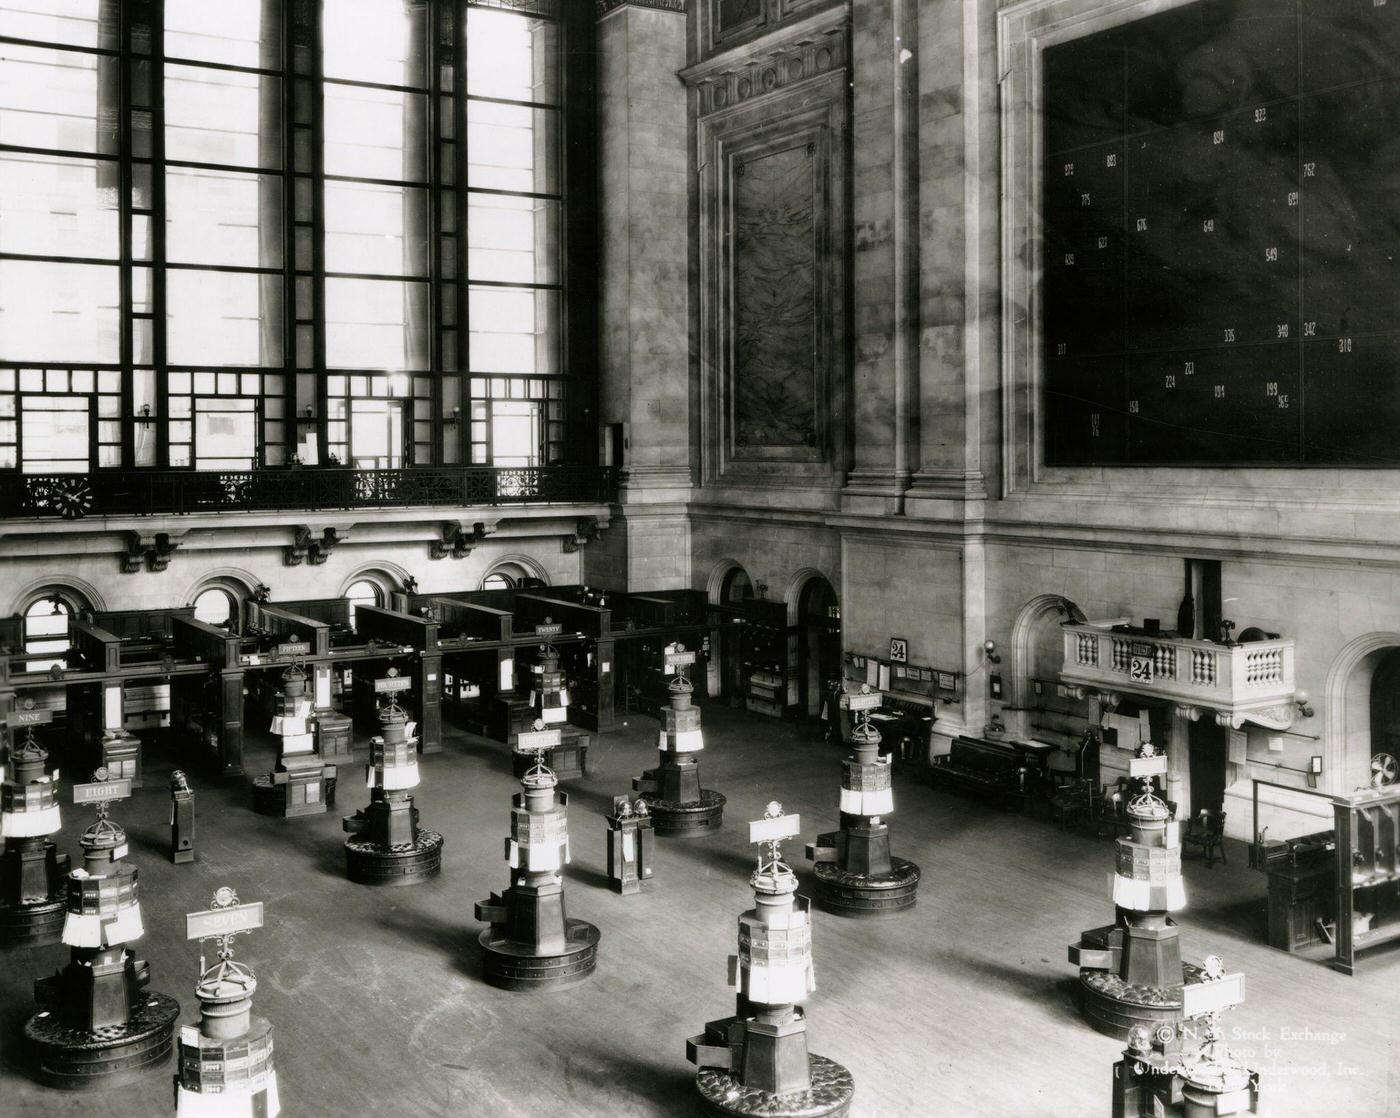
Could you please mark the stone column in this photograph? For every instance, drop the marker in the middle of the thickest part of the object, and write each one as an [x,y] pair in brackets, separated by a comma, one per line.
[884,74]
[645,317]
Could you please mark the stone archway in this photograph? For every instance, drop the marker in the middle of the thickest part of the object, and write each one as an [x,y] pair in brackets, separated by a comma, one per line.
[719,574]
[1029,624]
[814,647]
[1346,713]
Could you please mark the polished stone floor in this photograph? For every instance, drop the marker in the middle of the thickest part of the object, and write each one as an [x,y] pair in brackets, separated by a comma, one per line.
[962,1007]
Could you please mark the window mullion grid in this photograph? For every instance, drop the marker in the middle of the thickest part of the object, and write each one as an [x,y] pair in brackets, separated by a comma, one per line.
[577,153]
[304,137]
[447,239]
[139,115]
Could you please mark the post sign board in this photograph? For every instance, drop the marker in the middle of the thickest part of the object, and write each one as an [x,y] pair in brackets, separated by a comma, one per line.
[869,700]
[679,659]
[773,830]
[294,648]
[1148,766]
[1200,998]
[393,683]
[549,630]
[223,921]
[101,791]
[29,718]
[537,739]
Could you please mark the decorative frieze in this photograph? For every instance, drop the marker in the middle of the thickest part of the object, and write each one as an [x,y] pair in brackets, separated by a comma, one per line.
[766,67]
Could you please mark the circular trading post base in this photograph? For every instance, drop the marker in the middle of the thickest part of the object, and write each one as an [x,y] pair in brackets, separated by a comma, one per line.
[31,925]
[77,1060]
[686,820]
[1112,1006]
[515,966]
[271,799]
[843,893]
[830,1096]
[369,863]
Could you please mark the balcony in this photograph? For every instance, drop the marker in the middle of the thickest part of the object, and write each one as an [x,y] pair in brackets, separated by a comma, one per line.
[165,492]
[1239,683]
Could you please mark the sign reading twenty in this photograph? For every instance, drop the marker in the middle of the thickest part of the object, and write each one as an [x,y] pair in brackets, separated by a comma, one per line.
[549,629]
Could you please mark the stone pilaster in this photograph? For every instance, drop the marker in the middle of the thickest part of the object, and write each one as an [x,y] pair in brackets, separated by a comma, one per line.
[884,70]
[645,317]
[957,373]
[643,211]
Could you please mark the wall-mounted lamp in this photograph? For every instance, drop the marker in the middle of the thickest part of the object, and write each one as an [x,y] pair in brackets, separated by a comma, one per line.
[989,649]
[455,416]
[761,589]
[308,415]
[144,415]
[1300,700]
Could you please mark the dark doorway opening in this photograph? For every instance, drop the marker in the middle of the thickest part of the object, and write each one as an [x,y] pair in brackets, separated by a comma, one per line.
[1209,752]
[819,644]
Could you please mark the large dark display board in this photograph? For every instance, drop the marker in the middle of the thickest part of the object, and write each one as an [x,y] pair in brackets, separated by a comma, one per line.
[1221,216]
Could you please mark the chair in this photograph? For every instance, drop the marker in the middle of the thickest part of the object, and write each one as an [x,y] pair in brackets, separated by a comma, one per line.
[1072,804]
[1112,820]
[1206,832]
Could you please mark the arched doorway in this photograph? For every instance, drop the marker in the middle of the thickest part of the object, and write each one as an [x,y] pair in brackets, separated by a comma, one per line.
[1385,713]
[729,586]
[1359,690]
[818,643]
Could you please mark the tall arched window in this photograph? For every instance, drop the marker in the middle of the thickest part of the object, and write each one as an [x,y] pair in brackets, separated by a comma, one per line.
[46,627]
[363,592]
[216,606]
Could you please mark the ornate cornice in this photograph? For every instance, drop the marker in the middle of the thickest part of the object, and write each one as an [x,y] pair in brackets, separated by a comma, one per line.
[603,7]
[801,51]
[815,46]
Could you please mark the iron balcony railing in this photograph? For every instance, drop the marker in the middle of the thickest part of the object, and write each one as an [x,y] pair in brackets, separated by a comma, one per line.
[162,492]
